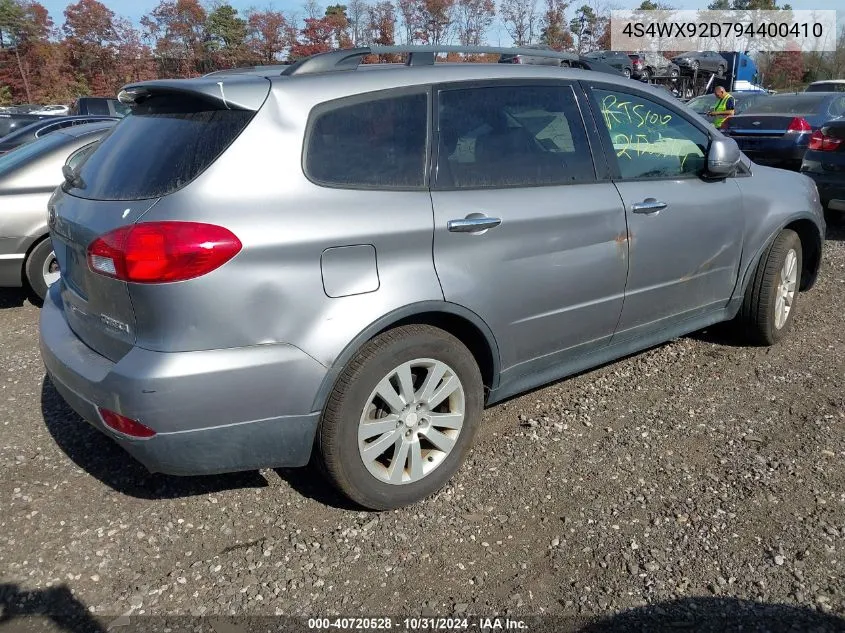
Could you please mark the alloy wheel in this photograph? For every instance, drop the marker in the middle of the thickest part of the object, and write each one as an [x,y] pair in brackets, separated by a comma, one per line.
[786,288]
[411,421]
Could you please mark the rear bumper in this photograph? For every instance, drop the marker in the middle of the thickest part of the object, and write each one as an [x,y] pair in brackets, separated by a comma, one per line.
[214,411]
[831,184]
[772,151]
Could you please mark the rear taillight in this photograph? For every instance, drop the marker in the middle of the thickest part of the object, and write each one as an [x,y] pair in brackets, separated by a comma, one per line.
[162,252]
[819,141]
[125,425]
[638,63]
[516,59]
[799,124]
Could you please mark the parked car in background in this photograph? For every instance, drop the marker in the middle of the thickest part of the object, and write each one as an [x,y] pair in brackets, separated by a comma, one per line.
[45,126]
[616,59]
[648,65]
[197,318]
[55,110]
[777,130]
[11,122]
[101,106]
[705,60]
[829,85]
[824,162]
[742,101]
[569,60]
[28,177]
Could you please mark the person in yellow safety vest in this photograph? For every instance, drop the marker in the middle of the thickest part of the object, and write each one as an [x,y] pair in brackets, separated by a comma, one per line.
[724,106]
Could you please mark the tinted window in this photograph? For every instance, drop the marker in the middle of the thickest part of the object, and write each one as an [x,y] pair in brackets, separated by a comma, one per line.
[649,140]
[826,87]
[511,137]
[788,104]
[162,146]
[378,143]
[96,106]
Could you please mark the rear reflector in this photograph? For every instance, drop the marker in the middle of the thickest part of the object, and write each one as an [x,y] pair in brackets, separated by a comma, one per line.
[799,124]
[125,425]
[819,141]
[162,252]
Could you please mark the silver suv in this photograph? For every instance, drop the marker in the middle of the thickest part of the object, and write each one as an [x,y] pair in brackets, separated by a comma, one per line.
[352,262]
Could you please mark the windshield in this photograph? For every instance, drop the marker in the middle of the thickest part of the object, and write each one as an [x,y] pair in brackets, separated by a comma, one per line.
[702,104]
[24,153]
[788,104]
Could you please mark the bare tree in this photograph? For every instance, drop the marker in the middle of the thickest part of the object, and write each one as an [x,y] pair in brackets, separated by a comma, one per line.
[520,20]
[474,17]
[313,10]
[357,11]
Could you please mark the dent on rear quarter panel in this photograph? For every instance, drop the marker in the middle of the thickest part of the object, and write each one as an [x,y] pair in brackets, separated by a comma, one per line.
[272,291]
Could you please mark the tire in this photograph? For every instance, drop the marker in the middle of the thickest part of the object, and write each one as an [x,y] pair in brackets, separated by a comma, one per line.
[626,72]
[720,71]
[645,75]
[674,73]
[759,315]
[365,475]
[40,260]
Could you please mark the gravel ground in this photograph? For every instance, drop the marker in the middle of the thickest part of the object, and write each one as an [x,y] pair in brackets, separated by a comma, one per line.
[700,482]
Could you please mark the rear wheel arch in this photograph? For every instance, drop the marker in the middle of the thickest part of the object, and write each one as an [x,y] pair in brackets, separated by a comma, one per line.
[811,250]
[461,322]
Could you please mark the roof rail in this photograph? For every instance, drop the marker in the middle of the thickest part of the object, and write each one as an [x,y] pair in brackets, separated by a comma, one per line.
[350,58]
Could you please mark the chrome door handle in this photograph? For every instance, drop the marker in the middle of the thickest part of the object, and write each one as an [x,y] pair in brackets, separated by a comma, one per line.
[649,205]
[472,225]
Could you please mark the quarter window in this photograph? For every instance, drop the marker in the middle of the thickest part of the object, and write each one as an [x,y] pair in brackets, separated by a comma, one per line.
[511,137]
[648,139]
[378,143]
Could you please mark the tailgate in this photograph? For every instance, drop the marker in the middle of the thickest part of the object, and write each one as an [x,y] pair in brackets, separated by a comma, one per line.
[98,308]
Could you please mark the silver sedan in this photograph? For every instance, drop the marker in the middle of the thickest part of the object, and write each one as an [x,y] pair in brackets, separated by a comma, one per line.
[28,176]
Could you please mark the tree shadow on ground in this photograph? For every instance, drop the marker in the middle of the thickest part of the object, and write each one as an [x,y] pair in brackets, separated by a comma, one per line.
[719,615]
[51,609]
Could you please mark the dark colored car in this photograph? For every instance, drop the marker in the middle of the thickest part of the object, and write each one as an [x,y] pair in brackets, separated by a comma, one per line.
[824,162]
[742,101]
[648,65]
[777,130]
[101,106]
[571,61]
[43,127]
[11,122]
[616,59]
[704,60]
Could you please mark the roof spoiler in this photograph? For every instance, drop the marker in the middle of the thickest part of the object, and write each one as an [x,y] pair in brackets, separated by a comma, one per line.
[239,92]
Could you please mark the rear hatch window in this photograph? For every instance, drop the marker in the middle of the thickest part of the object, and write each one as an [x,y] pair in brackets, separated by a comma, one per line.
[165,143]
[797,105]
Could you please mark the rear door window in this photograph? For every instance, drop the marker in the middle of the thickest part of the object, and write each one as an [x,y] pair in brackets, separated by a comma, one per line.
[506,136]
[376,142]
[162,146]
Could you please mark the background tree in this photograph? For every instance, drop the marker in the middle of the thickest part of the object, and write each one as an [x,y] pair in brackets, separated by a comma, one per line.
[519,17]
[473,18]
[225,36]
[269,34]
[554,33]
[358,14]
[178,28]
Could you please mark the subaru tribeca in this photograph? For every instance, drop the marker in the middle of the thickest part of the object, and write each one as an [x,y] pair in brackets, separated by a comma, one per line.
[352,262]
